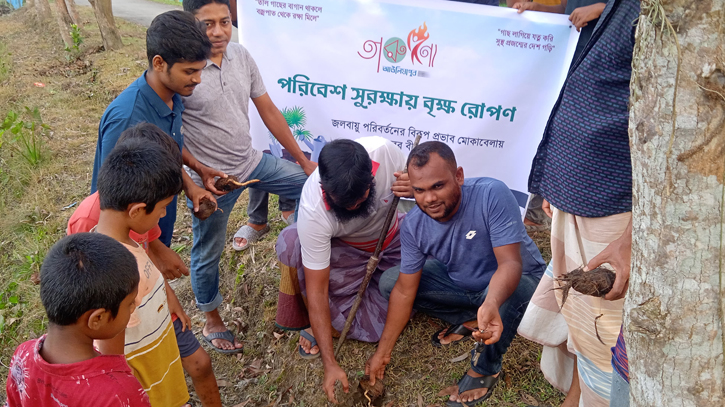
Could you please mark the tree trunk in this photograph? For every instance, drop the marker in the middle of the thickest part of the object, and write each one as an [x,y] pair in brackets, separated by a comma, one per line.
[71,5]
[62,17]
[674,308]
[106,24]
[42,7]
[30,4]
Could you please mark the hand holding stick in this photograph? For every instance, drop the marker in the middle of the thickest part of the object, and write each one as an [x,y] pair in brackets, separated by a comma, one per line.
[372,264]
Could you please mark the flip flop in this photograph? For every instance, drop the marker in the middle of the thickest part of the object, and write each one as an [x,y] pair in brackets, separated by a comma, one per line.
[471,383]
[289,220]
[313,343]
[227,336]
[459,329]
[247,232]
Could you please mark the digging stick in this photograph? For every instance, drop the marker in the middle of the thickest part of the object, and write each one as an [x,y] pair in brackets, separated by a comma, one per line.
[372,264]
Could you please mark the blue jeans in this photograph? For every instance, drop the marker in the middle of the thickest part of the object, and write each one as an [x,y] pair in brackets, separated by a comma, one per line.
[276,176]
[619,396]
[166,224]
[258,208]
[440,297]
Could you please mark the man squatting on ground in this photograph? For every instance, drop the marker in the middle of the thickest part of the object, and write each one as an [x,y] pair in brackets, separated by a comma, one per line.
[465,239]
[216,126]
[324,255]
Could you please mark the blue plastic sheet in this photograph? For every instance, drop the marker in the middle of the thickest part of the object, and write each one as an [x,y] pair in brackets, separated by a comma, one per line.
[16,3]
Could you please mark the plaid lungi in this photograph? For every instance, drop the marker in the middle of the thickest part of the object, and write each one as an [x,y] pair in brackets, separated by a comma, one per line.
[347,270]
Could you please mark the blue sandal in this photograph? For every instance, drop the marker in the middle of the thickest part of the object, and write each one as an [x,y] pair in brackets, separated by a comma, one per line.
[471,383]
[227,336]
[313,343]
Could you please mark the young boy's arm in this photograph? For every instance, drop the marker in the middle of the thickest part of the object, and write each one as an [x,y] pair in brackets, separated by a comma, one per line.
[113,346]
[176,308]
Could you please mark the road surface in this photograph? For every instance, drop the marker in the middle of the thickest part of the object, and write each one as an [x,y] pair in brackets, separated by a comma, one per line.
[141,11]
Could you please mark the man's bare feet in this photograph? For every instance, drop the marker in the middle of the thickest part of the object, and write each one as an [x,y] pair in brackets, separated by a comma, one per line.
[240,241]
[305,344]
[470,395]
[448,339]
[214,323]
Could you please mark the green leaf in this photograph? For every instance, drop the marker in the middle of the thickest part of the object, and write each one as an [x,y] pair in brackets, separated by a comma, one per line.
[9,120]
[17,127]
[14,299]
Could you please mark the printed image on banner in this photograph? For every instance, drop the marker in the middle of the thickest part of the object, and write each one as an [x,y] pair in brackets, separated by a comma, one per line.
[482,79]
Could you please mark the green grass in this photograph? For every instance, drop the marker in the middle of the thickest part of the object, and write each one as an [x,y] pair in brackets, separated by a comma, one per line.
[170,2]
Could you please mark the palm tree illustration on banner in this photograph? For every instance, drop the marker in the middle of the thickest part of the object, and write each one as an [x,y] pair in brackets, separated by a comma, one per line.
[296,120]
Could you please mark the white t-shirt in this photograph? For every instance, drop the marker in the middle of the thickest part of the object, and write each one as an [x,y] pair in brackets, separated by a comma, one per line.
[316,225]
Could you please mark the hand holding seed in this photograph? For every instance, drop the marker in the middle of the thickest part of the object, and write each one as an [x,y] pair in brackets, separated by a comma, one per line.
[208,176]
[618,255]
[489,320]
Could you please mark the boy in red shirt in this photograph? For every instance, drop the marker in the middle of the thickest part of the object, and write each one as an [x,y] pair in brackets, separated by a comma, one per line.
[88,286]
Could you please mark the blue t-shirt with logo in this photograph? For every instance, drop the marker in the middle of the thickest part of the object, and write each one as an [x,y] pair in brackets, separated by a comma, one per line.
[488,217]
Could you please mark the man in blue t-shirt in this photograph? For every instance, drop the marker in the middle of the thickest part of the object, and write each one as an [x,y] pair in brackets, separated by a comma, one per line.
[466,258]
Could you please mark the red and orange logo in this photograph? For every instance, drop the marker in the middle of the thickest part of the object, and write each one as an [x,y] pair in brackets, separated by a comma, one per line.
[395,49]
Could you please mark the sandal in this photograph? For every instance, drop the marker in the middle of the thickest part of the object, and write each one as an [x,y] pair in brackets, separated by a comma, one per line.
[227,336]
[313,343]
[471,383]
[459,329]
[290,219]
[247,232]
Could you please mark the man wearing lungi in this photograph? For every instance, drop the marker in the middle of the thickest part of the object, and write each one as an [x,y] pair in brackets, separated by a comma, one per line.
[323,256]
[466,258]
[583,170]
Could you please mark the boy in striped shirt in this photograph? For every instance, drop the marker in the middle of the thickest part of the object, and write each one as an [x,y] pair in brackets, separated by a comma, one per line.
[135,184]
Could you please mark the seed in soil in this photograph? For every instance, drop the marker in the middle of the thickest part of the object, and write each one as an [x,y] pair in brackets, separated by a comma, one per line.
[231,183]
[369,395]
[597,282]
[206,208]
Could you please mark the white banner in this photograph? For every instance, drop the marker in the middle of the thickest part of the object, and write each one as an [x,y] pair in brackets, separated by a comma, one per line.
[482,79]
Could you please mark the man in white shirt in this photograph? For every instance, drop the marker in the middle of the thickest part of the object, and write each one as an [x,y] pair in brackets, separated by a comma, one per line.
[323,256]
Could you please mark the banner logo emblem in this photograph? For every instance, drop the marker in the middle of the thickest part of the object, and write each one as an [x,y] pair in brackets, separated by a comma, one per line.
[396,49]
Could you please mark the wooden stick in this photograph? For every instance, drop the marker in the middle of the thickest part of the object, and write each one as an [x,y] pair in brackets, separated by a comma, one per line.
[372,264]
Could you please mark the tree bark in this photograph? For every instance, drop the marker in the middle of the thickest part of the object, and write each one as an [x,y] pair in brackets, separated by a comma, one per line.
[62,17]
[674,308]
[73,10]
[42,8]
[106,24]
[30,4]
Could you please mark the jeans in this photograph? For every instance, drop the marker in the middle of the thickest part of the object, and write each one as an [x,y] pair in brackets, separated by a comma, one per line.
[619,396]
[258,208]
[440,297]
[166,224]
[276,176]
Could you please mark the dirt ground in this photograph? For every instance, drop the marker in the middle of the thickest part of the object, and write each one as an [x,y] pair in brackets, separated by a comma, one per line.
[71,90]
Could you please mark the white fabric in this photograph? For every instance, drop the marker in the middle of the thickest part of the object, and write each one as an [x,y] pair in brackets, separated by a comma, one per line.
[316,225]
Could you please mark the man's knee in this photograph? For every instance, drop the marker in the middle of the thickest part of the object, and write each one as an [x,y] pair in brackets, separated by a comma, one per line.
[288,246]
[198,365]
[388,280]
